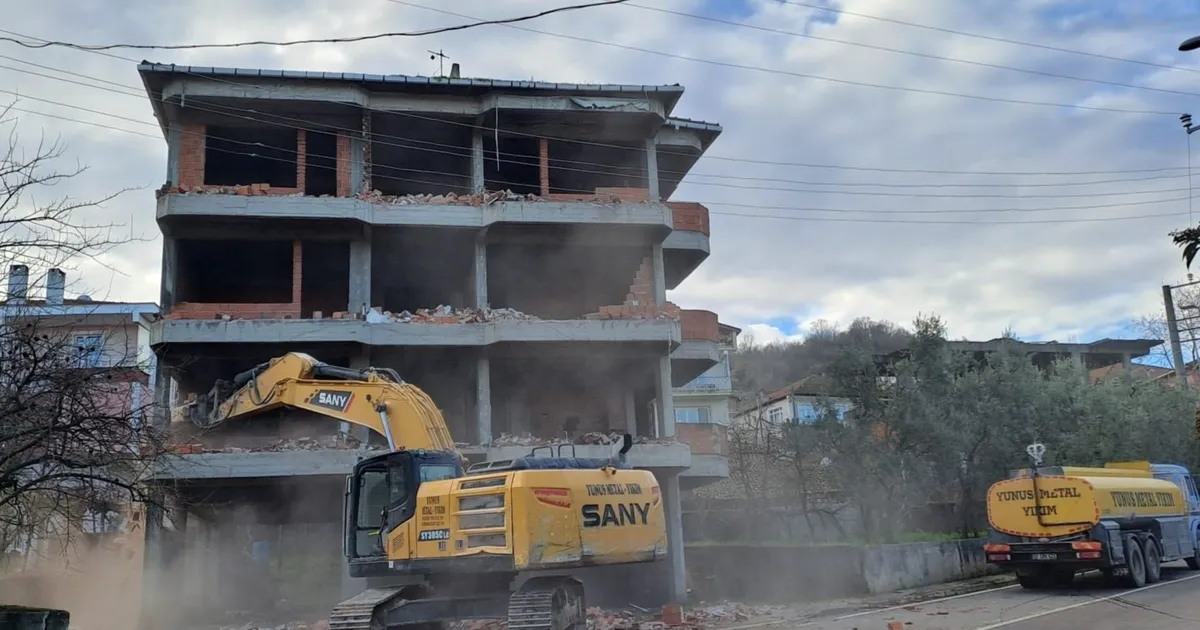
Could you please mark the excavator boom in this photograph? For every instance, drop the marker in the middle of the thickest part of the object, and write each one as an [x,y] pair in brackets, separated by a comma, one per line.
[374,398]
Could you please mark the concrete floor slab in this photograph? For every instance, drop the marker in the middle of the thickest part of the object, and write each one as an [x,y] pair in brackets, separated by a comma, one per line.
[654,215]
[409,334]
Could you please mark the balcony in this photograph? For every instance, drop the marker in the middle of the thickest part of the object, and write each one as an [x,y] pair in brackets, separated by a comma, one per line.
[687,245]
[705,384]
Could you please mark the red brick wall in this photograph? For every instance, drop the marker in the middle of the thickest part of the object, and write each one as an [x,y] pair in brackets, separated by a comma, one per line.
[689,216]
[698,324]
[191,155]
[234,310]
[704,439]
[639,302]
[301,159]
[343,165]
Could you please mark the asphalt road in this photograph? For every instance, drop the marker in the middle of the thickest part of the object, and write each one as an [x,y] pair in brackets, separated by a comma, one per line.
[1173,604]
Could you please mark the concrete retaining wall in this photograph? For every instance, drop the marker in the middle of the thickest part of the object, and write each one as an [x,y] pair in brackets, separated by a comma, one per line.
[792,574]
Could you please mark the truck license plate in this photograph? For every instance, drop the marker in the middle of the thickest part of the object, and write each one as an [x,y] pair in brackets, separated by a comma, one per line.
[1045,556]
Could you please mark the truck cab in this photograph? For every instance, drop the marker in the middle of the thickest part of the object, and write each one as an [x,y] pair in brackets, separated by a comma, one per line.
[1182,477]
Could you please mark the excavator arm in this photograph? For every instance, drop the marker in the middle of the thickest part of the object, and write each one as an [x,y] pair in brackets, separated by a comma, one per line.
[371,397]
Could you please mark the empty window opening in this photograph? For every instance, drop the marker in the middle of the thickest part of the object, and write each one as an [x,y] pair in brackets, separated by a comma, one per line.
[89,349]
[422,268]
[577,168]
[447,375]
[235,156]
[228,271]
[320,163]
[560,282]
[410,156]
[515,168]
[325,278]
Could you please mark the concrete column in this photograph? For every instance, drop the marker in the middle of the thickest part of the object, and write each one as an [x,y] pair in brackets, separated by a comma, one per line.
[660,275]
[170,265]
[630,413]
[174,141]
[153,560]
[483,400]
[360,273]
[673,509]
[1126,361]
[163,378]
[356,164]
[652,169]
[480,280]
[477,179]
[362,434]
[662,393]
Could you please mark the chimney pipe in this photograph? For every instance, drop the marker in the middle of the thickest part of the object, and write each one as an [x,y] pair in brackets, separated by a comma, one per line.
[18,283]
[56,284]
[454,71]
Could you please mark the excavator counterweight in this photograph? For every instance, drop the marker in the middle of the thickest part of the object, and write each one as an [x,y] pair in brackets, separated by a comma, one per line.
[442,542]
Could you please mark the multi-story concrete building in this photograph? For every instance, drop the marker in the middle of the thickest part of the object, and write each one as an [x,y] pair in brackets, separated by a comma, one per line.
[59,562]
[504,245]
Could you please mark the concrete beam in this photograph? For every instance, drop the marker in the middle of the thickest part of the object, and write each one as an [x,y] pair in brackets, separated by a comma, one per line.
[358,331]
[333,462]
[345,208]
[265,89]
[677,139]
[258,465]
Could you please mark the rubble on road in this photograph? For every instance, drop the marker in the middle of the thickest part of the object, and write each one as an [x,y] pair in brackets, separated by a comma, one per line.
[444,314]
[593,438]
[730,611]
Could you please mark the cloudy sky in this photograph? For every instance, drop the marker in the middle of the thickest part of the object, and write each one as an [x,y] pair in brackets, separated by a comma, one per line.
[868,183]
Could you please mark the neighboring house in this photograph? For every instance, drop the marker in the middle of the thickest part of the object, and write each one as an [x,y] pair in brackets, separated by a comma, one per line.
[1148,372]
[1091,355]
[61,566]
[703,406]
[801,402]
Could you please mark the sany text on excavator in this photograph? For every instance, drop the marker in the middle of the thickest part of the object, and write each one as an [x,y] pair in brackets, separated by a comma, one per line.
[441,543]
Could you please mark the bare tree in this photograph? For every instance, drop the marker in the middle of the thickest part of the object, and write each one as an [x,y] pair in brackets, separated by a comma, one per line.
[1153,325]
[75,434]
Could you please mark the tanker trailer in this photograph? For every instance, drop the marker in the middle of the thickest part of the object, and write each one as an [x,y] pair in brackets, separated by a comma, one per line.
[1049,523]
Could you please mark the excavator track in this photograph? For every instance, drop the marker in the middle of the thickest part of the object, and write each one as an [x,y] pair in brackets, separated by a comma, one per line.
[358,612]
[548,604]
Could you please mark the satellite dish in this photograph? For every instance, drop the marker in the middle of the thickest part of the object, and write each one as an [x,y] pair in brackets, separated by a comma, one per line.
[84,298]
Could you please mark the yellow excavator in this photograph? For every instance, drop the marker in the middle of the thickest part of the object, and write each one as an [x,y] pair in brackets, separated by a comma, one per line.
[438,541]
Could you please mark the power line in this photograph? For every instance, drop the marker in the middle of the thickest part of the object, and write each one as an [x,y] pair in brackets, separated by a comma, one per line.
[706,156]
[531,160]
[707,203]
[803,75]
[333,40]
[901,51]
[987,37]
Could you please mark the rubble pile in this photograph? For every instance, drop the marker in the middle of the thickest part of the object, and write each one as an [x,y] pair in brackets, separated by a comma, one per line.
[245,190]
[448,199]
[593,438]
[294,625]
[731,611]
[324,443]
[444,314]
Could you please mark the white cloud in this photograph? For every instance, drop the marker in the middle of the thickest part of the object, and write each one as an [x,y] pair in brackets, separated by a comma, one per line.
[1045,279]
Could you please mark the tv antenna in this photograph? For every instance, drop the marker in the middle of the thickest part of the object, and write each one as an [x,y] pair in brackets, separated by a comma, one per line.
[441,57]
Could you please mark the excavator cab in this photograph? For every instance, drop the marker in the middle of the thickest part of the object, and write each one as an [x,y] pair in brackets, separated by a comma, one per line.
[382,494]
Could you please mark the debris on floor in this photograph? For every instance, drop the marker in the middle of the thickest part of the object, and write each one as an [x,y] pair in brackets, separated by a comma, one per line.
[324,443]
[444,314]
[448,199]
[596,438]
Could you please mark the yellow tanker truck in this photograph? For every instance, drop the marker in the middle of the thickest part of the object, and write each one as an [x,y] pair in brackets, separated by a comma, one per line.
[1125,519]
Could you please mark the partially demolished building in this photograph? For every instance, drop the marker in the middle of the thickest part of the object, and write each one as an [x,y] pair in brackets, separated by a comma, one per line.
[505,245]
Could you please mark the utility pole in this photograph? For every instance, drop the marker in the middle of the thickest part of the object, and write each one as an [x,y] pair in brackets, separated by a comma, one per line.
[1173,334]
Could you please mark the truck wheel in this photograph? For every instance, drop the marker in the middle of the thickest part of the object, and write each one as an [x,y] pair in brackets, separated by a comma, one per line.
[1153,560]
[1032,581]
[1135,562]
